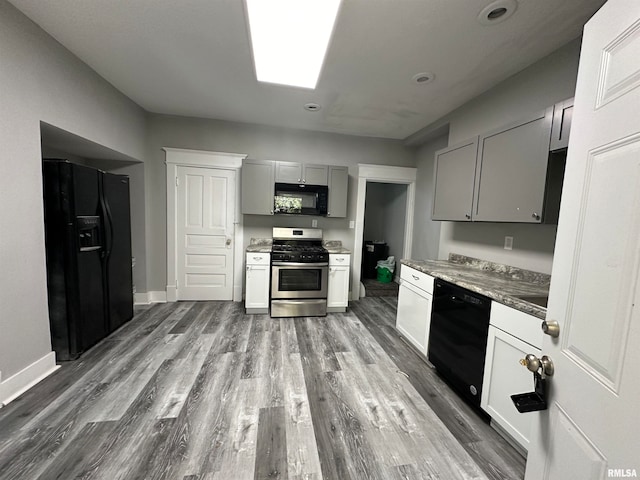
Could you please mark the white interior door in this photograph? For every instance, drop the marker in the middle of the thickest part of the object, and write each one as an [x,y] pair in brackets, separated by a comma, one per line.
[591,428]
[204,231]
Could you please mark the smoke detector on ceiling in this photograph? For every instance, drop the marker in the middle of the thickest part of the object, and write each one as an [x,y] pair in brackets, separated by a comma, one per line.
[312,107]
[497,12]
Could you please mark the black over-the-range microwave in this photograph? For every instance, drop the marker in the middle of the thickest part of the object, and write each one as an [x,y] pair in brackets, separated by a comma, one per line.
[300,199]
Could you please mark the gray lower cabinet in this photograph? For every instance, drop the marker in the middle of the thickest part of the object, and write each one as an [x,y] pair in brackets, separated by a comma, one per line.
[258,179]
[338,185]
[294,172]
[455,169]
[511,171]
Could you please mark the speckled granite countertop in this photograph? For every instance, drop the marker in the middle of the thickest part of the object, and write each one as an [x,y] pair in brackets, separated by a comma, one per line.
[335,246]
[259,245]
[501,283]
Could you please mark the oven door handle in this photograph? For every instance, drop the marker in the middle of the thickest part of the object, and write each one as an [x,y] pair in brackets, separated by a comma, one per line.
[292,264]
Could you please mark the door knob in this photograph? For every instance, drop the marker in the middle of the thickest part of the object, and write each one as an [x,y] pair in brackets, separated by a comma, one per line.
[228,242]
[551,328]
[534,364]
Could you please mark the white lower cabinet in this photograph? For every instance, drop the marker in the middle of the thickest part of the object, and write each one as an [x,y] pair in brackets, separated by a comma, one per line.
[414,307]
[505,376]
[338,284]
[258,271]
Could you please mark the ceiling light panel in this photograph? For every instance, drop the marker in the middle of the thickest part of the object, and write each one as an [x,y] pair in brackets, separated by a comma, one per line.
[290,39]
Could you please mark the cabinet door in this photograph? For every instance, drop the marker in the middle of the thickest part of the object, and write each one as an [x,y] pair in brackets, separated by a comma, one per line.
[512,171]
[338,288]
[562,114]
[503,377]
[338,184]
[414,315]
[315,174]
[257,287]
[288,172]
[257,187]
[455,169]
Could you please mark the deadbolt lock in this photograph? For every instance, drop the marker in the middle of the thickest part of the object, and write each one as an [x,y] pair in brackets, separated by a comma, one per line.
[551,328]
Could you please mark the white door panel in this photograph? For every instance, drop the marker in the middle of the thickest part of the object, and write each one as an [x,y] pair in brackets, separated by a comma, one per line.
[590,430]
[205,207]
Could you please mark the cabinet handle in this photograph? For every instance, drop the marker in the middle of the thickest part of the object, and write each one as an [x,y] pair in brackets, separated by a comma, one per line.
[328,214]
[298,180]
[535,215]
[339,259]
[414,277]
[248,268]
[271,212]
[257,258]
[467,216]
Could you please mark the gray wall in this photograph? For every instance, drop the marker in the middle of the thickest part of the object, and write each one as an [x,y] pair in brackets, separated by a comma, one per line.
[41,81]
[426,233]
[384,217]
[259,142]
[544,83]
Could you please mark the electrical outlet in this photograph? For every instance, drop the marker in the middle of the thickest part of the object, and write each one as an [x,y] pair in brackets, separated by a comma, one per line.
[314,223]
[508,243]
[352,224]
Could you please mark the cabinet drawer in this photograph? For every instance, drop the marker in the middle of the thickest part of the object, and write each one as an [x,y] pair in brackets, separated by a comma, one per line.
[517,323]
[255,258]
[337,259]
[419,279]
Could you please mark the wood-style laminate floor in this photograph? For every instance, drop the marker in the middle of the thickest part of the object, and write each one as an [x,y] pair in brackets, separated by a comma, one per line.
[201,391]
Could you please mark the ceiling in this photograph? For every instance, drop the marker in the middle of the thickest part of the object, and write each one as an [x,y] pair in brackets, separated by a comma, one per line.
[193,57]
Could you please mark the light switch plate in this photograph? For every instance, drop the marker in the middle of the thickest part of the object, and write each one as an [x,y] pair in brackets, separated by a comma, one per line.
[352,224]
[314,223]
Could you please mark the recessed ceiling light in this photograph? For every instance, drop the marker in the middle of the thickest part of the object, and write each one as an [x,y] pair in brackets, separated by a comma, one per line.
[290,39]
[423,78]
[312,107]
[497,12]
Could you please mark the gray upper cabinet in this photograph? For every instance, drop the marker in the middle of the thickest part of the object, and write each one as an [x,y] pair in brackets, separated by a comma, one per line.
[258,178]
[562,114]
[455,169]
[511,171]
[294,172]
[338,184]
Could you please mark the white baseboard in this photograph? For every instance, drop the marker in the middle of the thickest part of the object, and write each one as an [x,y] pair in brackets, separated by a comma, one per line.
[17,384]
[146,298]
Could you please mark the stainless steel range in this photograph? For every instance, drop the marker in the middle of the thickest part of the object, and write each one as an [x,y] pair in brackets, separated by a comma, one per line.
[299,272]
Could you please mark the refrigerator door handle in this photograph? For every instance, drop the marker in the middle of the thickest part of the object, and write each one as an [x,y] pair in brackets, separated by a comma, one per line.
[108,223]
[110,218]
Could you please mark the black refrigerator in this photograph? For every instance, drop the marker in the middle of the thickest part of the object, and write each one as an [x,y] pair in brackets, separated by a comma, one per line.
[88,250]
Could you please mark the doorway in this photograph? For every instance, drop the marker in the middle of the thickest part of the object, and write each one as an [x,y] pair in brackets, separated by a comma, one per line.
[384,229]
[368,176]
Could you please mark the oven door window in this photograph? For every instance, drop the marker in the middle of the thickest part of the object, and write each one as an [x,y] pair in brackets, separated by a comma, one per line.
[299,282]
[296,280]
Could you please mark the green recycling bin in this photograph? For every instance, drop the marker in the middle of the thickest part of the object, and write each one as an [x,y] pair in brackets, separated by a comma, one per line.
[385,270]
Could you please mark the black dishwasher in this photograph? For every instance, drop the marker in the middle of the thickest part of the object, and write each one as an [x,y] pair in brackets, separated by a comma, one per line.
[458,337]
